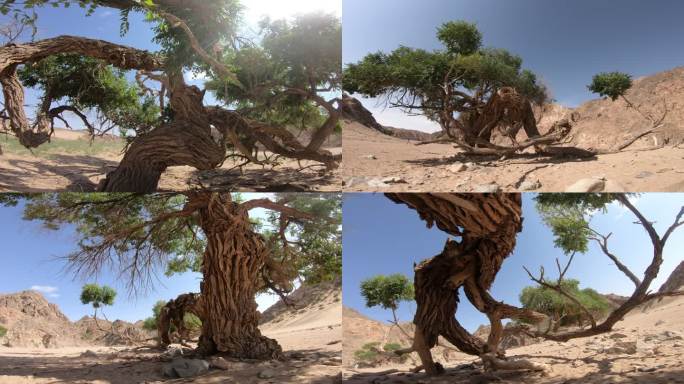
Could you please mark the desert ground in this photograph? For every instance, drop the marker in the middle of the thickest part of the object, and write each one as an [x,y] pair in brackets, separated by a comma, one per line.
[376,161]
[71,162]
[310,335]
[646,347]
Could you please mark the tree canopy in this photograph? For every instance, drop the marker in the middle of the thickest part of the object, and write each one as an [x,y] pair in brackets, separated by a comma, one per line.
[286,79]
[459,78]
[611,84]
[97,295]
[140,235]
[387,291]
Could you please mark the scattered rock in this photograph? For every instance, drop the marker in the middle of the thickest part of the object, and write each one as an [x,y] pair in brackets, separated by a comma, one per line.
[647,369]
[394,180]
[376,183]
[369,157]
[659,322]
[266,374]
[622,347]
[219,363]
[587,185]
[617,335]
[530,185]
[89,353]
[484,379]
[644,175]
[186,367]
[487,188]
[168,371]
[457,167]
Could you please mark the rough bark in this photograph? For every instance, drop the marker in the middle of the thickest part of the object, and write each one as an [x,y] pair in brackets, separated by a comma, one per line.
[487,225]
[173,313]
[233,258]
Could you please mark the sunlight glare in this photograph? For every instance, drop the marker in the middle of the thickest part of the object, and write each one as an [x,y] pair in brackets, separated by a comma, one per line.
[255,10]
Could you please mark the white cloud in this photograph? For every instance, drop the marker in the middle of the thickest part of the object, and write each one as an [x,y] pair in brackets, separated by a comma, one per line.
[46,289]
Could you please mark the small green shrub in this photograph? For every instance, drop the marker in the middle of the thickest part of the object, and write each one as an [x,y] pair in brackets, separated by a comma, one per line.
[366,355]
[3,331]
[391,347]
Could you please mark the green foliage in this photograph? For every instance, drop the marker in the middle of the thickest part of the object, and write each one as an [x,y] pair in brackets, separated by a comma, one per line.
[150,323]
[568,216]
[391,347]
[304,54]
[192,322]
[212,22]
[3,331]
[368,352]
[176,242]
[414,79]
[460,37]
[387,291]
[91,84]
[97,295]
[314,249]
[559,307]
[611,84]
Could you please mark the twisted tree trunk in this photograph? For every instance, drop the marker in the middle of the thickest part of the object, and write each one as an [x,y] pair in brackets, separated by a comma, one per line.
[487,225]
[231,263]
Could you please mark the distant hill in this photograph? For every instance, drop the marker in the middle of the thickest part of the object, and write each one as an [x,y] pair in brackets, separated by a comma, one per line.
[31,321]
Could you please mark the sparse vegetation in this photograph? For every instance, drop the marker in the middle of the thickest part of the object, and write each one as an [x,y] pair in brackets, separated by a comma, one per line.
[97,296]
[615,85]
[387,292]
[3,331]
[560,308]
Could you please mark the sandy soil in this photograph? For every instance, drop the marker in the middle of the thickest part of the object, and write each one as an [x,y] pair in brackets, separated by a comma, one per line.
[658,359]
[310,337]
[376,162]
[75,172]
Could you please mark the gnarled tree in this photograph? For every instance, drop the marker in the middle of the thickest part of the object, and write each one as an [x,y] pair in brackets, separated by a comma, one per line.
[194,35]
[211,233]
[486,227]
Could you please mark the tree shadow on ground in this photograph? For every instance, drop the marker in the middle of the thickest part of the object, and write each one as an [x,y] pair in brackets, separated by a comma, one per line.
[310,366]
[266,180]
[494,161]
[470,374]
[33,175]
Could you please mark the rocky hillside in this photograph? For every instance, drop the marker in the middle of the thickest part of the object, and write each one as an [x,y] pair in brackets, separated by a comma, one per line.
[307,298]
[352,109]
[601,123]
[31,321]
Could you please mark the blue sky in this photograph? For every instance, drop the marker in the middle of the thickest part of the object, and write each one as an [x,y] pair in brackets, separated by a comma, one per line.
[564,42]
[381,237]
[31,254]
[104,24]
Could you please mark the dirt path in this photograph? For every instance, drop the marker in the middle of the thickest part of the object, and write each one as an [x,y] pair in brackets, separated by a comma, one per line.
[376,162]
[658,358]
